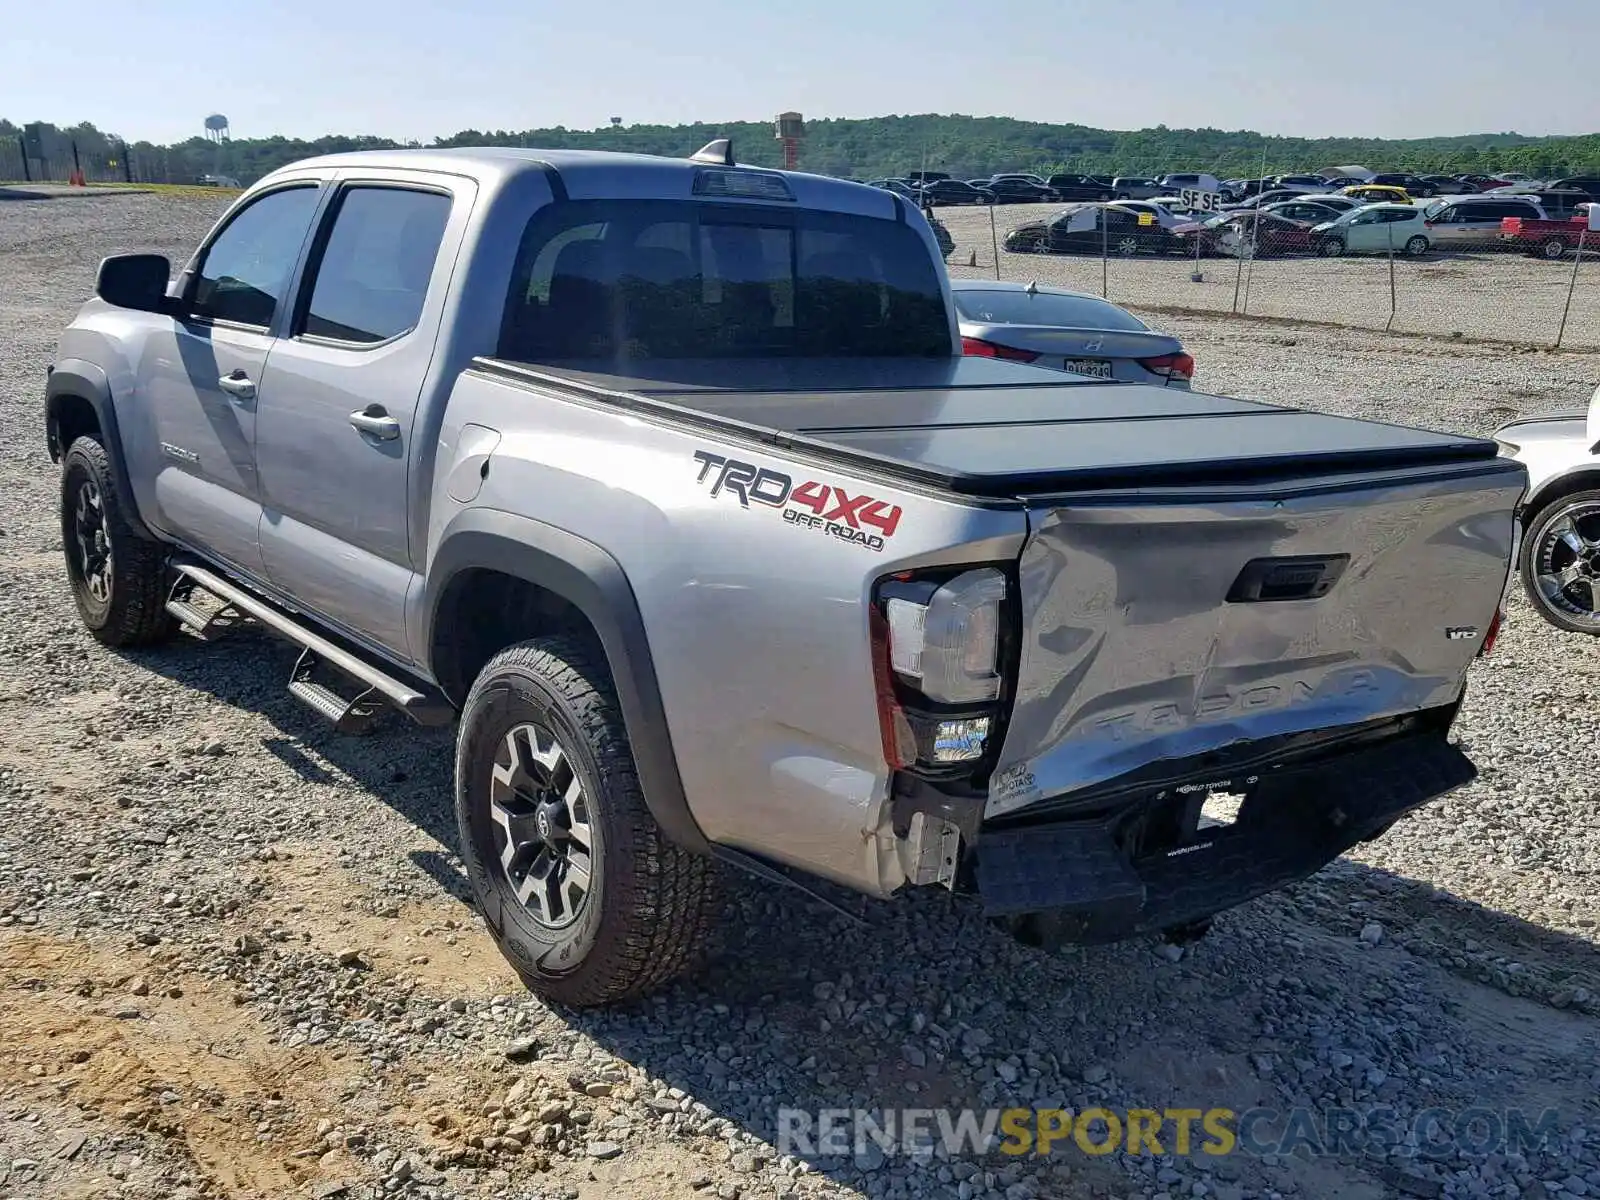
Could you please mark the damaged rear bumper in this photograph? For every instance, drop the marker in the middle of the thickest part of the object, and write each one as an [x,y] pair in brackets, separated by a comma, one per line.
[1150,865]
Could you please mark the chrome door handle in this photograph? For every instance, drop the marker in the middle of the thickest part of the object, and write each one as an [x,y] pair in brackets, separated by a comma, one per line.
[376,422]
[238,385]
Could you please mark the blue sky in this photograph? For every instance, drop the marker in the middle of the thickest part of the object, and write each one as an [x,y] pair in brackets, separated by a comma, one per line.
[407,69]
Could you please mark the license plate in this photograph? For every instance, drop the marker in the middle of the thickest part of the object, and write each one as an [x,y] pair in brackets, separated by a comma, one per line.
[1099,368]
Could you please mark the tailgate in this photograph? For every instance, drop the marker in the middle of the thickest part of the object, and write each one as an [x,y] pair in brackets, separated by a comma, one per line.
[1162,624]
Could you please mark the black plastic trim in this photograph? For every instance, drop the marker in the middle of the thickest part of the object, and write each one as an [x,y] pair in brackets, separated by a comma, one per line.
[558,185]
[66,383]
[593,582]
[1100,886]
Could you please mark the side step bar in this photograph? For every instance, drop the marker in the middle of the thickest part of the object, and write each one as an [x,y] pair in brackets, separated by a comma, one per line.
[379,687]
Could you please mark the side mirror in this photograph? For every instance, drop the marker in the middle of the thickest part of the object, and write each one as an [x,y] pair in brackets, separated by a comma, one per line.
[136,281]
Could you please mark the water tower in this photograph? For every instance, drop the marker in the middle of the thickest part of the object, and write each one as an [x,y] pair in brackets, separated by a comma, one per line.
[616,122]
[790,129]
[216,128]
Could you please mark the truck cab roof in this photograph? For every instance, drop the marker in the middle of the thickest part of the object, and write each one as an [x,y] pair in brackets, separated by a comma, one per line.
[600,174]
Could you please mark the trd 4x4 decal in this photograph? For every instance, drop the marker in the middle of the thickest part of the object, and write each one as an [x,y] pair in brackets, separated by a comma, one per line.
[825,507]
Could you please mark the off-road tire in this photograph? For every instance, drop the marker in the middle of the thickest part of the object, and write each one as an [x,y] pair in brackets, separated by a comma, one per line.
[648,914]
[134,613]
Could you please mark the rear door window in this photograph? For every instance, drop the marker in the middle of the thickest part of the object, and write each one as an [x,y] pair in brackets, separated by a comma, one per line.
[373,274]
[651,279]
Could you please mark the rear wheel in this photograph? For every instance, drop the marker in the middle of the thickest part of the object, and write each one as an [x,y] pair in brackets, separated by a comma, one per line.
[1417,246]
[118,576]
[1127,246]
[1553,248]
[581,890]
[1560,563]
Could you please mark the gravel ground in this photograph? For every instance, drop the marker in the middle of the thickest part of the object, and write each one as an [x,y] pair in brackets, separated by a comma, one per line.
[235,958]
[1503,296]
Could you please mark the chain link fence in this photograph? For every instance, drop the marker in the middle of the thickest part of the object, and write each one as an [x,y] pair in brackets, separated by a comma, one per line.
[97,163]
[1443,268]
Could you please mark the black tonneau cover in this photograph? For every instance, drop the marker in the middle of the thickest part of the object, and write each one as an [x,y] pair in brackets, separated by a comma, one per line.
[987,428]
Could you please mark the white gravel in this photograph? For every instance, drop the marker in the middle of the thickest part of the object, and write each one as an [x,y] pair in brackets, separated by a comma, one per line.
[234,960]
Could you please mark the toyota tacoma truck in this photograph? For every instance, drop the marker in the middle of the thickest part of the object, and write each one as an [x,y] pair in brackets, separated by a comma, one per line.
[666,484]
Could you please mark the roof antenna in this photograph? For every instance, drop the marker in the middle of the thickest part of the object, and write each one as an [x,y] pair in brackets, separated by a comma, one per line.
[718,153]
[1033,287]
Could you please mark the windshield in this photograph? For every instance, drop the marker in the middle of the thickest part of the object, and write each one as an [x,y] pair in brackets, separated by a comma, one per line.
[1007,306]
[643,279]
[1434,209]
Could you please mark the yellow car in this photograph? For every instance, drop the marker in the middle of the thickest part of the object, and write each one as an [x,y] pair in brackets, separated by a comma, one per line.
[1378,193]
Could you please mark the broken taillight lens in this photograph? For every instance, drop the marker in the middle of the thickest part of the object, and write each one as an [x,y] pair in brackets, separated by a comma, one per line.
[939,668]
[1494,632]
[1179,366]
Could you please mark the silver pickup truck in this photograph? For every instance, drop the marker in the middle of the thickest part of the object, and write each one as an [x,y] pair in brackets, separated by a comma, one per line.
[665,480]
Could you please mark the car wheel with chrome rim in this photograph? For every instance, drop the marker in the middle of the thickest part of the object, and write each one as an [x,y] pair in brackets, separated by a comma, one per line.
[1560,562]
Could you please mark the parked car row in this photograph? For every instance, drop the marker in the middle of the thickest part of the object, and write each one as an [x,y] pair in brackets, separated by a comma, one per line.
[1330,225]
[1423,187]
[934,188]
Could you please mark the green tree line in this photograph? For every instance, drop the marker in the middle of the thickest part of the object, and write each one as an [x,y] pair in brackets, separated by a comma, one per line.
[875,147]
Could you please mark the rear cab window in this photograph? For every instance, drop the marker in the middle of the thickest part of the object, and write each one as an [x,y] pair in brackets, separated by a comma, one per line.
[635,280]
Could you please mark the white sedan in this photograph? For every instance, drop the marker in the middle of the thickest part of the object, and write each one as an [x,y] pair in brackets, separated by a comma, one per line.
[1559,558]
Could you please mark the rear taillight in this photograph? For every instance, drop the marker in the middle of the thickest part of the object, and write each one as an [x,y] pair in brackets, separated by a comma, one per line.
[899,743]
[977,348]
[1173,366]
[938,658]
[1494,632]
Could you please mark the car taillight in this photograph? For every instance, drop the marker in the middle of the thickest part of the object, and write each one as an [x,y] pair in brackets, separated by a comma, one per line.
[977,348]
[1173,366]
[939,668]
[1494,632]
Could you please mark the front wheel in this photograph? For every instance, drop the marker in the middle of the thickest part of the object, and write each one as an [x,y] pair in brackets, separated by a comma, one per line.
[1417,246]
[1330,248]
[580,889]
[118,576]
[1560,563]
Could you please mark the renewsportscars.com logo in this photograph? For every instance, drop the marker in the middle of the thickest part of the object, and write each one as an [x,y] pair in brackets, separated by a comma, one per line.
[824,507]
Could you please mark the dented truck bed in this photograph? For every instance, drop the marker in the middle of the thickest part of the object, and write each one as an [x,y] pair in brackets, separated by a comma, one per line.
[1216,596]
